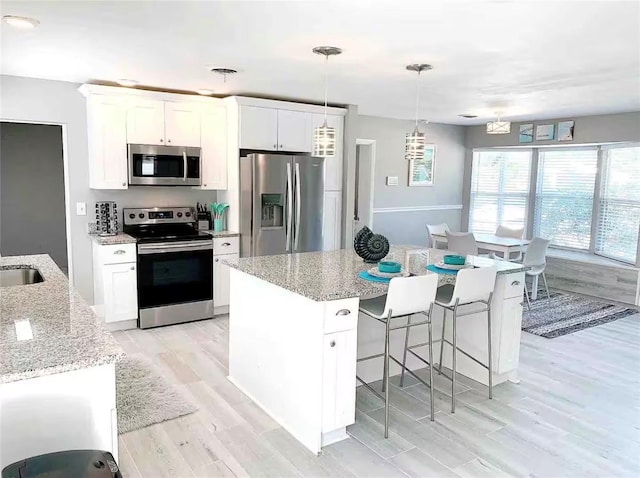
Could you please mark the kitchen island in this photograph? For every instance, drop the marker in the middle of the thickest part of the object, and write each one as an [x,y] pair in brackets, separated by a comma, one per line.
[294,334]
[57,368]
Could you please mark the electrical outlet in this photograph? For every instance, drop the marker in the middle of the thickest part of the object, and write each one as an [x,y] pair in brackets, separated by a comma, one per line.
[392,180]
[81,209]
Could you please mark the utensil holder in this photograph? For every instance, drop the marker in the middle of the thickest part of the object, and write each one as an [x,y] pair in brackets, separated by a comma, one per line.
[218,225]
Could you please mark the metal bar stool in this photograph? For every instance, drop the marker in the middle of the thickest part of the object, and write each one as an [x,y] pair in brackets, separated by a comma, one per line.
[406,296]
[472,286]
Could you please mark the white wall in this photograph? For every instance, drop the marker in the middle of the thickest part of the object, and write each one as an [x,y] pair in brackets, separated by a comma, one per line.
[30,99]
[408,226]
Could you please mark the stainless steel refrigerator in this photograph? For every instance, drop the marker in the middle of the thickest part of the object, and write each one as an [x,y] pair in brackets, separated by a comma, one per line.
[281,204]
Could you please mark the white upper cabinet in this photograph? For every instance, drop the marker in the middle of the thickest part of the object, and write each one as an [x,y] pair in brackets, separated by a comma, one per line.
[258,128]
[332,165]
[213,130]
[295,132]
[145,121]
[181,124]
[331,222]
[106,134]
[273,129]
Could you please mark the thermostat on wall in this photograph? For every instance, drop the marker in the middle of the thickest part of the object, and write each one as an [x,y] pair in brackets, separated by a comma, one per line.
[392,180]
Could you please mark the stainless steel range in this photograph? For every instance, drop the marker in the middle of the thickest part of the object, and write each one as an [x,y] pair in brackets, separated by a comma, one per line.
[175,265]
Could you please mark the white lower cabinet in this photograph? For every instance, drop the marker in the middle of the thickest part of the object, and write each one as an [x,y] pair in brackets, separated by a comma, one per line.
[115,285]
[221,279]
[339,380]
[332,220]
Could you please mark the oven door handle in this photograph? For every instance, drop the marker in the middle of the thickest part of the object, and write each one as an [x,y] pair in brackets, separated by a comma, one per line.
[159,248]
[184,158]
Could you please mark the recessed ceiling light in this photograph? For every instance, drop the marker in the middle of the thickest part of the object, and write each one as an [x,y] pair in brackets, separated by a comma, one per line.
[125,82]
[204,92]
[223,71]
[23,23]
[468,116]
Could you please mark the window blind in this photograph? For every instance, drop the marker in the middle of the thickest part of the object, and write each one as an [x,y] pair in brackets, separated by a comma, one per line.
[619,218]
[499,189]
[564,196]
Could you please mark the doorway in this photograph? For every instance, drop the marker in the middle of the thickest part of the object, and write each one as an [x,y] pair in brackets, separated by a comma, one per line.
[32,191]
[364,184]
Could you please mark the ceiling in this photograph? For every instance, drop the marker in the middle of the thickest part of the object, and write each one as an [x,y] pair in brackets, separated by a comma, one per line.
[528,59]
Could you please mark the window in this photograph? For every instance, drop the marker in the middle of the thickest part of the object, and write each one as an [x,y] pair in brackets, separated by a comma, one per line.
[564,196]
[619,215]
[499,189]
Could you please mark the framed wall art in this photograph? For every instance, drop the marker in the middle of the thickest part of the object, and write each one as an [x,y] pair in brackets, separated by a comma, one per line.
[421,170]
[565,130]
[545,132]
[526,133]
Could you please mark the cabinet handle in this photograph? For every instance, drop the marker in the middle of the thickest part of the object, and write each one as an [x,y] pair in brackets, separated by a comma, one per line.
[133,268]
[226,244]
[161,140]
[204,185]
[515,282]
[217,260]
[332,343]
[275,146]
[120,252]
[343,312]
[168,141]
[280,146]
[124,184]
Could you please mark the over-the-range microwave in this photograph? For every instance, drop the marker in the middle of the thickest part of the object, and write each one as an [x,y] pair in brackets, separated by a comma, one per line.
[151,165]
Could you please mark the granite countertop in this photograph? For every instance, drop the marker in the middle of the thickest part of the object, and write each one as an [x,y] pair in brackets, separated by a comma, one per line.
[223,233]
[67,335]
[333,275]
[120,238]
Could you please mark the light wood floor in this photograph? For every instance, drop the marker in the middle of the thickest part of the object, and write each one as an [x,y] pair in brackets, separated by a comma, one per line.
[576,412]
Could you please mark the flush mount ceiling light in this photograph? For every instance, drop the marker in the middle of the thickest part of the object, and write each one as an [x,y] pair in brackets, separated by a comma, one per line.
[24,23]
[125,82]
[498,127]
[324,137]
[468,116]
[223,71]
[204,92]
[414,141]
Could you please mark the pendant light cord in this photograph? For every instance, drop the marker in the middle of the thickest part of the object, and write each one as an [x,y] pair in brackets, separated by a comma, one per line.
[417,97]
[326,84]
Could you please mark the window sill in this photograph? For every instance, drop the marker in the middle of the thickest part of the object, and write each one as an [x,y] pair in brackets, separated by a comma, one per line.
[585,257]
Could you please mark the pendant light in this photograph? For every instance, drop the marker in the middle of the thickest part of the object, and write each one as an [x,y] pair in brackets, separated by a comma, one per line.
[414,141]
[324,137]
[498,127]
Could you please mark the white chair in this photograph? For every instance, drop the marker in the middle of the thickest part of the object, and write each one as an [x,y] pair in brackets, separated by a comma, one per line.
[536,258]
[436,229]
[471,286]
[406,296]
[515,233]
[462,242]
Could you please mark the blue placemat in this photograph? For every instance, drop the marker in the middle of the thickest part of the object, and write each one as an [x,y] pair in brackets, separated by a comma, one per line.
[366,276]
[438,270]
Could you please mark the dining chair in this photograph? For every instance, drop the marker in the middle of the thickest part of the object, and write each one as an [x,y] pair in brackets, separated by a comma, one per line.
[473,286]
[515,233]
[462,242]
[535,258]
[436,229]
[405,297]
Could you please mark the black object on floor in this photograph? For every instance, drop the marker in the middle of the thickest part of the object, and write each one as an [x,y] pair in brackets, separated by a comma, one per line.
[72,464]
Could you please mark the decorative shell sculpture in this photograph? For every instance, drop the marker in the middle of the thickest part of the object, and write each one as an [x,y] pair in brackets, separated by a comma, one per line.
[371,247]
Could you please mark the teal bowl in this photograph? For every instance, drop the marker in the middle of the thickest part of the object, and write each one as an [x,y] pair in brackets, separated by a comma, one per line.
[454,260]
[389,267]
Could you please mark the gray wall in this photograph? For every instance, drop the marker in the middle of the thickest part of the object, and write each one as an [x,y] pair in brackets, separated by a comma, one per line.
[33,202]
[622,127]
[408,227]
[57,102]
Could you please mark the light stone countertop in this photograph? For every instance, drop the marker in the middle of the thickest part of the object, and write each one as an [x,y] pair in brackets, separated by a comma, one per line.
[120,238]
[223,233]
[333,275]
[67,335]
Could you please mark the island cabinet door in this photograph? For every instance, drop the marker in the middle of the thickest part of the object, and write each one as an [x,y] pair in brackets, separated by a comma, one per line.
[510,331]
[339,380]
[120,292]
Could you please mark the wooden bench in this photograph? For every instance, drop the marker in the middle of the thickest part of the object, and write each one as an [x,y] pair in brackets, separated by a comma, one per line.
[593,275]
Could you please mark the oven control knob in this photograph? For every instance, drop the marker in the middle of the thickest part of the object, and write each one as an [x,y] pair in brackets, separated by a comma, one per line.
[179,214]
[188,214]
[141,215]
[131,216]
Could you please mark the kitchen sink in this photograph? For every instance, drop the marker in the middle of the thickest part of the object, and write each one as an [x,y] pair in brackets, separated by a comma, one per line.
[17,276]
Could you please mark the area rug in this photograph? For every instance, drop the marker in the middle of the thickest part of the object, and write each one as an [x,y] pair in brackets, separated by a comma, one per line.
[143,397]
[567,313]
